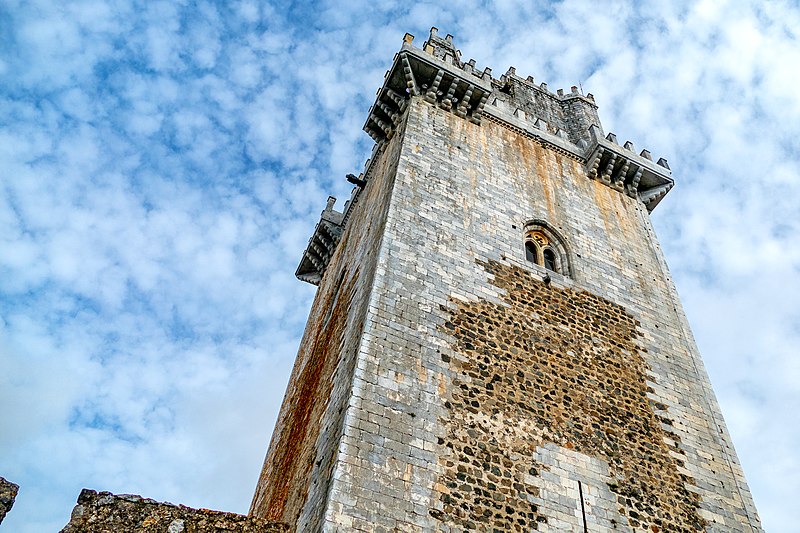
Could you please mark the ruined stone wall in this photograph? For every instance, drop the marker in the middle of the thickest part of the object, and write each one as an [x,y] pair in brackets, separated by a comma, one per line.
[294,483]
[8,492]
[126,513]
[600,416]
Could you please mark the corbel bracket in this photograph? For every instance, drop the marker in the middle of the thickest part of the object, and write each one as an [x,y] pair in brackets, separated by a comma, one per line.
[620,168]
[321,245]
[447,82]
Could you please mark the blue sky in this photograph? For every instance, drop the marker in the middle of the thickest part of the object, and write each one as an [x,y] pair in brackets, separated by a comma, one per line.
[162,165]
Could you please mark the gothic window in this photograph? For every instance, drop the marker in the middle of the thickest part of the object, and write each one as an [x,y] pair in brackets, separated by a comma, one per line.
[531,253]
[549,259]
[545,247]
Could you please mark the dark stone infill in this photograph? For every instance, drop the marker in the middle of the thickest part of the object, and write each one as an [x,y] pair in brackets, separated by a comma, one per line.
[8,492]
[565,365]
[100,512]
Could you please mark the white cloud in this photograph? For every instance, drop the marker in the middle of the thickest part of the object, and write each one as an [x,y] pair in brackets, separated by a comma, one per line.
[164,164]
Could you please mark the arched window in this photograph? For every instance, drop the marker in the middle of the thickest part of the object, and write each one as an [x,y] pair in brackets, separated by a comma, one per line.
[549,259]
[531,253]
[545,247]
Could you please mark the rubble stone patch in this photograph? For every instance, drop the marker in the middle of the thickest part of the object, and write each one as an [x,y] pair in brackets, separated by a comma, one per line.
[551,365]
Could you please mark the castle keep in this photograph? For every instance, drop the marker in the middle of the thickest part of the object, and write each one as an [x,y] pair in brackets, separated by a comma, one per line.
[496,343]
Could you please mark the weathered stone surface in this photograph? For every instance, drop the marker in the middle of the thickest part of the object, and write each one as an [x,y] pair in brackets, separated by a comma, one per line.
[549,365]
[103,512]
[8,493]
[471,389]
[298,471]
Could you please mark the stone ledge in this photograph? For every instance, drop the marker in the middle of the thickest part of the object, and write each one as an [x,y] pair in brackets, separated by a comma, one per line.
[101,512]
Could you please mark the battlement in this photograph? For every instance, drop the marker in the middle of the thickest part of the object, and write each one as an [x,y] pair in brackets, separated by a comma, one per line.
[621,169]
[565,121]
[436,74]
[322,244]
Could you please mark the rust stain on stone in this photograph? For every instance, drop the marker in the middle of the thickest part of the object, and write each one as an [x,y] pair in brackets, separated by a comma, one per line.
[561,366]
[602,196]
[544,176]
[611,205]
[442,385]
[292,457]
[530,166]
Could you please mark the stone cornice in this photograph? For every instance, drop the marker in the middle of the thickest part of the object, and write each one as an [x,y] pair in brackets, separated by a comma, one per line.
[536,130]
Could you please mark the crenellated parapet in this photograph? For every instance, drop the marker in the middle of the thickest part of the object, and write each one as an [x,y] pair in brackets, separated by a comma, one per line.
[623,170]
[566,122]
[322,244]
[435,73]
[330,228]
[565,114]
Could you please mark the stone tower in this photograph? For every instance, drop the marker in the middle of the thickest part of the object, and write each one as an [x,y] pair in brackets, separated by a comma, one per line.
[496,343]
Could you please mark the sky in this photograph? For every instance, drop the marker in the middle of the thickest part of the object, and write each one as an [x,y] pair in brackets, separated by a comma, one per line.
[163,163]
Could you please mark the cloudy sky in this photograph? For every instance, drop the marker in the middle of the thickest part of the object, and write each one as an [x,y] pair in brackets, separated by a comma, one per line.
[162,165]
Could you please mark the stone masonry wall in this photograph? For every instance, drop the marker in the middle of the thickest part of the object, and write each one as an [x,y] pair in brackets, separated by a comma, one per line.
[458,207]
[293,486]
[104,512]
[570,113]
